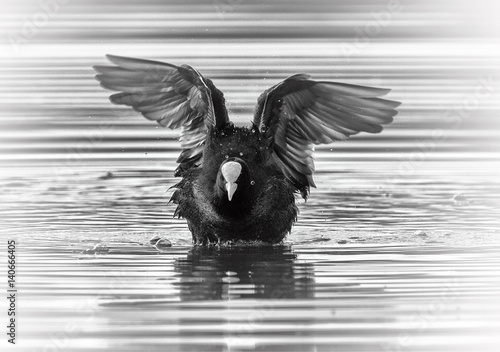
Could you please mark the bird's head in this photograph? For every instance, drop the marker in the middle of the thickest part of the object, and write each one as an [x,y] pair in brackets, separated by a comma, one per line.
[233,179]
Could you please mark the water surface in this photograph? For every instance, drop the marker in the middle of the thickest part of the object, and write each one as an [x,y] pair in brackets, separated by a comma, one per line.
[396,250]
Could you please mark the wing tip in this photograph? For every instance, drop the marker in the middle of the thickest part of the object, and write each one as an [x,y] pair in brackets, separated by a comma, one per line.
[397,104]
[97,68]
[351,89]
[114,58]
[136,63]
[299,76]
[383,91]
[114,98]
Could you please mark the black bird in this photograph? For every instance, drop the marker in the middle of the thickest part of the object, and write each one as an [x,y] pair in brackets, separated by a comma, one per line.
[237,182]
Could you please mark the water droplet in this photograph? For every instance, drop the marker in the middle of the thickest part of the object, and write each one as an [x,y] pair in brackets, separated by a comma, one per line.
[241,154]
[252,182]
[226,156]
[163,243]
[230,280]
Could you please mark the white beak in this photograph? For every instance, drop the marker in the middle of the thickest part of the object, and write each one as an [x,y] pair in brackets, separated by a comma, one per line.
[231,188]
[231,171]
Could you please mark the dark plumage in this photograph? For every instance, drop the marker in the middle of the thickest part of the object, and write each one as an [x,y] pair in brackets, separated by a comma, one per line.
[239,183]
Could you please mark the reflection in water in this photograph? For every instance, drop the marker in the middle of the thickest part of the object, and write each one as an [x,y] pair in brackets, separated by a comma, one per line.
[243,272]
[309,298]
[232,274]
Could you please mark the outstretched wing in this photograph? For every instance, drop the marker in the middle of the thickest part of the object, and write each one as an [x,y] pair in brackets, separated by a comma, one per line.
[173,96]
[299,112]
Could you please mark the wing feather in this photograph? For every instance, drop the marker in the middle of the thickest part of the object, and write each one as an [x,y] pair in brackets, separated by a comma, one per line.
[173,96]
[298,113]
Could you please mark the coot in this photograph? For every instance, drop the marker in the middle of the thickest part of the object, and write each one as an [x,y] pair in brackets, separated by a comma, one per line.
[238,183]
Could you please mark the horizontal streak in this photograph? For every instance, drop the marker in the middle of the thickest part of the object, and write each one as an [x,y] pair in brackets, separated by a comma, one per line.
[256,49]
